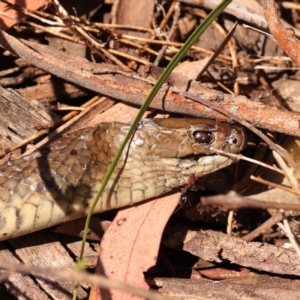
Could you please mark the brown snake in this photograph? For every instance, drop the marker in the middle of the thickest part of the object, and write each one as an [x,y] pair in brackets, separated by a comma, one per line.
[59,183]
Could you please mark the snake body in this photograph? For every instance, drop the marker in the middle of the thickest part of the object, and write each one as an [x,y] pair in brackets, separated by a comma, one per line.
[59,183]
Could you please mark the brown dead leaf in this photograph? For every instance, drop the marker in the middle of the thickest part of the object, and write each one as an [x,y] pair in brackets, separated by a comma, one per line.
[131,243]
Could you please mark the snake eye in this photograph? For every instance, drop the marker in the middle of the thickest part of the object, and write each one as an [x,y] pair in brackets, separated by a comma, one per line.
[203,137]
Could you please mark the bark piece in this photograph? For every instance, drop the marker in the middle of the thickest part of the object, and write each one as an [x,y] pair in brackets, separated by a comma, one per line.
[45,251]
[247,288]
[219,247]
[22,287]
[22,117]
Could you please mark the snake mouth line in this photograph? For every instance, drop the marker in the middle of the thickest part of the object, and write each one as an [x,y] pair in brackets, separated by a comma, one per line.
[196,157]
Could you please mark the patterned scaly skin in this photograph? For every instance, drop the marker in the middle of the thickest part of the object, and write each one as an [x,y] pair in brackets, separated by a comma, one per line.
[59,183]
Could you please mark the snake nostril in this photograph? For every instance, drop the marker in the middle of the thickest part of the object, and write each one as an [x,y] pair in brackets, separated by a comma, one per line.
[234,141]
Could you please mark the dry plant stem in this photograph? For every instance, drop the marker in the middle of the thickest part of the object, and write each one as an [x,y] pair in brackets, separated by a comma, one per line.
[87,38]
[8,16]
[129,57]
[83,106]
[241,157]
[289,233]
[43,132]
[41,16]
[54,32]
[227,40]
[289,172]
[225,88]
[118,26]
[64,36]
[271,144]
[232,200]
[168,43]
[274,185]
[138,46]
[95,46]
[230,222]
[232,45]
[168,15]
[84,277]
[58,22]
[277,101]
[277,217]
[276,68]
[47,15]
[89,26]
[9,71]
[24,142]
[272,60]
[73,108]
[171,31]
[264,226]
[218,51]
[243,185]
[73,122]
[285,38]
[290,5]
[220,84]
[123,38]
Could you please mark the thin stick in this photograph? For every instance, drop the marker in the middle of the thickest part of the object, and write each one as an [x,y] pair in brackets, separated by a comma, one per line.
[232,200]
[288,232]
[84,277]
[274,185]
[242,157]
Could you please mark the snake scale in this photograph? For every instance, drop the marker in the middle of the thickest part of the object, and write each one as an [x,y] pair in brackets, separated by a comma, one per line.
[59,182]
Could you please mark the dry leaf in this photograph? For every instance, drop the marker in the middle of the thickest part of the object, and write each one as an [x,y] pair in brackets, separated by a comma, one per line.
[131,243]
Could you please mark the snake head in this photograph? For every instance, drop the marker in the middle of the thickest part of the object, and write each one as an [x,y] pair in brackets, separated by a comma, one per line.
[184,137]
